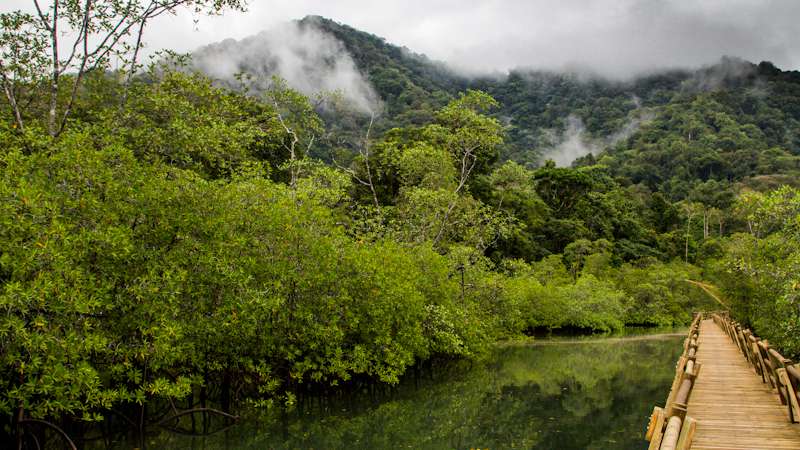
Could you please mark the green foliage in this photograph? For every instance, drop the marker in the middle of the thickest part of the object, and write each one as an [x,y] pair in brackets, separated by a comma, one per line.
[185,122]
[179,236]
[157,275]
[32,50]
[658,293]
[523,396]
[411,86]
[704,138]
[587,304]
[666,130]
[758,271]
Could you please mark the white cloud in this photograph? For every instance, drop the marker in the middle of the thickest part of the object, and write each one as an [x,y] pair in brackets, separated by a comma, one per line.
[615,38]
[309,59]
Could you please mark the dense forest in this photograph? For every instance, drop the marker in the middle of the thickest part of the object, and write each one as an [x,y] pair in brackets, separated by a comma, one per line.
[164,237]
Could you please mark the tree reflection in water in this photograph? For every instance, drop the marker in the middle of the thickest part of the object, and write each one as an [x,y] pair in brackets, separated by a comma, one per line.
[580,394]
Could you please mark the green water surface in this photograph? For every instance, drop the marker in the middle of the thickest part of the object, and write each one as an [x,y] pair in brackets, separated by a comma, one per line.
[567,393]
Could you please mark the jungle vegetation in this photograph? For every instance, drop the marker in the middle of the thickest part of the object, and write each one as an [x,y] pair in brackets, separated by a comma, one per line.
[161,235]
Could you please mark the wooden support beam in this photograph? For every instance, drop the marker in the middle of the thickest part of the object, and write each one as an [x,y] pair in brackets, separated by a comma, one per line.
[759,361]
[658,431]
[763,350]
[792,404]
[676,382]
[672,433]
[687,434]
[793,377]
[651,427]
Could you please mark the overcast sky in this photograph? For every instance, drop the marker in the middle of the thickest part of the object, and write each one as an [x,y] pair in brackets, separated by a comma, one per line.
[612,37]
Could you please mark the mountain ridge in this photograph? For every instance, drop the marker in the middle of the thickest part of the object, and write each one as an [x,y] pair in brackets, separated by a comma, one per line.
[548,114]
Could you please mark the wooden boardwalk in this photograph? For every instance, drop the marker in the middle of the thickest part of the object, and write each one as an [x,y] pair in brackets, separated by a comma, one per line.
[734,410]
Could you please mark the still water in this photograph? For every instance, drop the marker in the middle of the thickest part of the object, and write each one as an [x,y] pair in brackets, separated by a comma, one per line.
[564,393]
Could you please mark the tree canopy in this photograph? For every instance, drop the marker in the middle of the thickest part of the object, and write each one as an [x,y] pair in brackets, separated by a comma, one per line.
[169,241]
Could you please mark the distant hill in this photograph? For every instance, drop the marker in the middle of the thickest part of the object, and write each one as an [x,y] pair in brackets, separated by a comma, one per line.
[562,116]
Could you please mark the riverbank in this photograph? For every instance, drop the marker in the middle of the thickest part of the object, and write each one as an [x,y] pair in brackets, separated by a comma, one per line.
[544,394]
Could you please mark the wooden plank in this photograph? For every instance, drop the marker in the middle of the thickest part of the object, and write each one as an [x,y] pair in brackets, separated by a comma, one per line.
[658,432]
[679,370]
[730,406]
[651,428]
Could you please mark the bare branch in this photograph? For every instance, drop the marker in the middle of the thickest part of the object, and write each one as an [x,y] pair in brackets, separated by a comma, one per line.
[365,154]
[42,16]
[102,30]
[135,56]
[76,83]
[468,161]
[197,410]
[51,117]
[106,49]
[310,144]
[350,172]
[12,98]
[153,10]
[52,426]
[83,36]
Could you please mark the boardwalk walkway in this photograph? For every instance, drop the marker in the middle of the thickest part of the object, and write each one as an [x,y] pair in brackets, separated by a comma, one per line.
[733,408]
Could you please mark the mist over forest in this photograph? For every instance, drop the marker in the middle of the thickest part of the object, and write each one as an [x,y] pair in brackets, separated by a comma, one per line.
[312,212]
[561,116]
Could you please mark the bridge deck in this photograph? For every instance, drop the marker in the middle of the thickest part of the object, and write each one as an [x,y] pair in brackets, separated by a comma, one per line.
[733,408]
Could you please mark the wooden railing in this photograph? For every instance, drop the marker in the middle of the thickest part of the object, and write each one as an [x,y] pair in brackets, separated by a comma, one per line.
[670,428]
[780,373]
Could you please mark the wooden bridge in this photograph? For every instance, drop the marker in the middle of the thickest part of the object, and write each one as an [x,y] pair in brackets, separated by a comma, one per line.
[732,391]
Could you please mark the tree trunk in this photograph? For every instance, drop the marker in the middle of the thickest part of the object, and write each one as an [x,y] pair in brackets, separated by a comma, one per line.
[12,101]
[686,249]
[51,115]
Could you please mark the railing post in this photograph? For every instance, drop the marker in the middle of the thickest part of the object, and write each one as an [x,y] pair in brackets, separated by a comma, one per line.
[763,350]
[793,379]
[670,428]
[759,361]
[780,373]
[687,434]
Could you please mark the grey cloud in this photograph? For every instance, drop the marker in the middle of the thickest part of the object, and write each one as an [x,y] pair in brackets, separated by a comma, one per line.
[575,142]
[639,37]
[614,38]
[310,60]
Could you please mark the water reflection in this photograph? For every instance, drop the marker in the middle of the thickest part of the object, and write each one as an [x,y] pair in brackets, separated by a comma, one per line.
[586,393]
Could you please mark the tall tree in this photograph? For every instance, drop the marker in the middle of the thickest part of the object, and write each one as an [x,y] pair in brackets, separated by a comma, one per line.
[66,39]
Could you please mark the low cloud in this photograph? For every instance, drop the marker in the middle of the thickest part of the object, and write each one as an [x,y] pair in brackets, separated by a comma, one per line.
[620,39]
[615,39]
[727,71]
[309,59]
[576,142]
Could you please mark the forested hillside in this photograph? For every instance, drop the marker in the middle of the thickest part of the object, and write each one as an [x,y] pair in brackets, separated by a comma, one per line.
[163,234]
[568,115]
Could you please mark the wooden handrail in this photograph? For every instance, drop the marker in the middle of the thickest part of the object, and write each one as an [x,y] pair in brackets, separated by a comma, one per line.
[780,373]
[670,428]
